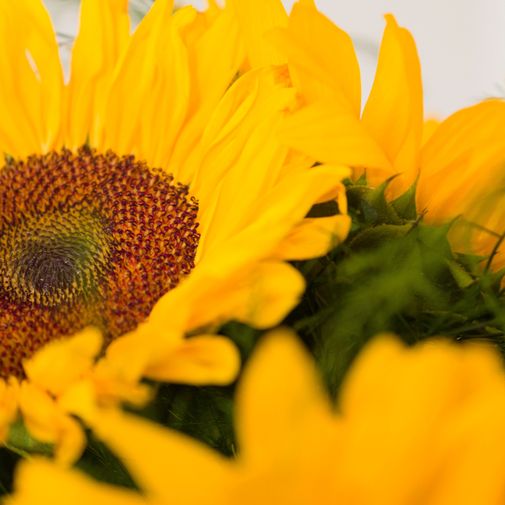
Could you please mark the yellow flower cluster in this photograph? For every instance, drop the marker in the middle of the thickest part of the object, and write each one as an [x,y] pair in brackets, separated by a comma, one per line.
[412,425]
[240,120]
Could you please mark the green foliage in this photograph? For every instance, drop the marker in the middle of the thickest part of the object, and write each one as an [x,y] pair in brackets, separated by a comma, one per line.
[101,464]
[205,413]
[8,461]
[393,274]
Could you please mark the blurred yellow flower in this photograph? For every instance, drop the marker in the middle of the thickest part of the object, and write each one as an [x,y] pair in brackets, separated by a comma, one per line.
[427,421]
[423,424]
[64,379]
[148,197]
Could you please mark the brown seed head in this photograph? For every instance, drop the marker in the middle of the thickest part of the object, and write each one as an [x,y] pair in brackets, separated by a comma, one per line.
[86,238]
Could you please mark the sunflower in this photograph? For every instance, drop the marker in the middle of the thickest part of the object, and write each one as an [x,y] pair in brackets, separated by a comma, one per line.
[147,197]
[387,138]
[423,422]
[456,165]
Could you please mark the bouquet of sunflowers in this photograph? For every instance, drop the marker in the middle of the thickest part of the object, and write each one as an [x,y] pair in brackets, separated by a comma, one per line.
[225,280]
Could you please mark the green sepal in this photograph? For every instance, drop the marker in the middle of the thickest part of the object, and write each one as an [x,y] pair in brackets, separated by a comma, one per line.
[370,205]
[377,235]
[21,442]
[461,276]
[405,204]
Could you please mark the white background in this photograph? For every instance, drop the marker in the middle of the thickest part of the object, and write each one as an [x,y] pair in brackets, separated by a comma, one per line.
[461,42]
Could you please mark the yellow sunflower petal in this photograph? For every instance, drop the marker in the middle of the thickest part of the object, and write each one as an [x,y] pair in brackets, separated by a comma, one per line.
[80,399]
[427,426]
[205,359]
[260,294]
[467,482]
[256,18]
[39,481]
[470,128]
[333,136]
[468,194]
[462,159]
[394,111]
[272,218]
[130,355]
[46,421]
[156,61]
[238,137]
[155,350]
[314,237]
[71,441]
[279,400]
[102,38]
[31,88]
[105,387]
[255,168]
[62,362]
[271,291]
[211,77]
[321,58]
[427,421]
[281,209]
[362,376]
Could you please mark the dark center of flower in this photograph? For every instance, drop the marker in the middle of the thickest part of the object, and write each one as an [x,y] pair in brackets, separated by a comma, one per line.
[86,238]
[54,258]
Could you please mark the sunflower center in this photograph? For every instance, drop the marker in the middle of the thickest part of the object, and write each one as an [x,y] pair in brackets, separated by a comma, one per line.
[86,238]
[53,258]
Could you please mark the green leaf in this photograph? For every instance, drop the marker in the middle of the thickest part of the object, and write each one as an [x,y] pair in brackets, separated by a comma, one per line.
[21,442]
[397,278]
[101,464]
